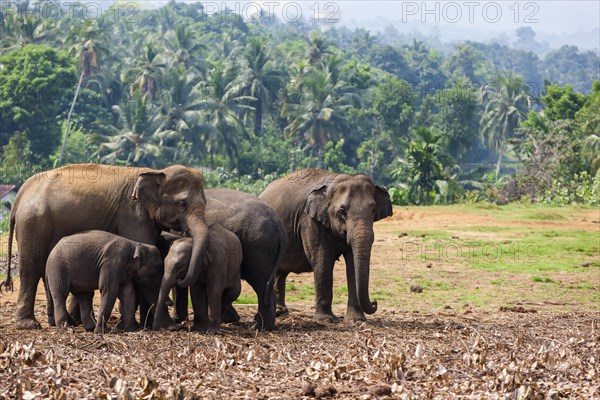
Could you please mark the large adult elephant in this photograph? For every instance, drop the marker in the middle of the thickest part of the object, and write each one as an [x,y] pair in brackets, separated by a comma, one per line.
[327,215]
[136,203]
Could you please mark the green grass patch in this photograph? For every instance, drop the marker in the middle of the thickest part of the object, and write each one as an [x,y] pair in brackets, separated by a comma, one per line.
[542,279]
[246,299]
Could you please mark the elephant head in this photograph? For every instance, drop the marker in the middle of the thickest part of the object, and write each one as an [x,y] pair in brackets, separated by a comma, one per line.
[150,266]
[348,206]
[174,197]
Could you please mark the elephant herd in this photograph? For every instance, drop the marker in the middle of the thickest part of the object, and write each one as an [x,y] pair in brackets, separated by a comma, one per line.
[137,233]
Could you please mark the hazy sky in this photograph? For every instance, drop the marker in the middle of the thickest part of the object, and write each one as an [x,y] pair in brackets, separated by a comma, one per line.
[547,16]
[543,16]
[550,18]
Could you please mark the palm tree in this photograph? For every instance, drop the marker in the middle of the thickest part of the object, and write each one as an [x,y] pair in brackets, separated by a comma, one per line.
[137,138]
[423,164]
[320,114]
[185,47]
[318,46]
[145,69]
[181,104]
[507,101]
[223,108]
[261,80]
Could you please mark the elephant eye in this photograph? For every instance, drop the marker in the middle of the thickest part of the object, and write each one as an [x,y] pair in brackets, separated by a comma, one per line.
[182,204]
[342,213]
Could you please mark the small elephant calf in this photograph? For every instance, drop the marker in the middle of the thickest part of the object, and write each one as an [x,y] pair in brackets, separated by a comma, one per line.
[220,282]
[86,261]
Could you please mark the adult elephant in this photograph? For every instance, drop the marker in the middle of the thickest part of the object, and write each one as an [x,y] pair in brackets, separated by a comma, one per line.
[263,238]
[327,215]
[136,203]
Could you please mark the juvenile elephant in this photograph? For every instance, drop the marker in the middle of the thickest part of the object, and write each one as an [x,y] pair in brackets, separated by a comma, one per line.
[327,215]
[263,238]
[217,287]
[84,262]
[136,203]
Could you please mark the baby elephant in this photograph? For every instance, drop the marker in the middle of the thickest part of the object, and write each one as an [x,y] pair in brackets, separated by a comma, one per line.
[218,284]
[86,261]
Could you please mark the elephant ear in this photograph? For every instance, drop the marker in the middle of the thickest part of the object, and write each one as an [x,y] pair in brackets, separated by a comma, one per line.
[317,205]
[383,203]
[147,191]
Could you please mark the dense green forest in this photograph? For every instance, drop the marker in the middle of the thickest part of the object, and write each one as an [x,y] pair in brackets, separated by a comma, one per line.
[251,100]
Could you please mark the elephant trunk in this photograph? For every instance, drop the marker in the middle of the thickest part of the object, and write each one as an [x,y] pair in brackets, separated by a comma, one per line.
[198,230]
[361,240]
[162,320]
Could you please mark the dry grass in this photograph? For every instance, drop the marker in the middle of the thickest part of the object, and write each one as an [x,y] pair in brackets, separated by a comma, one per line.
[514,337]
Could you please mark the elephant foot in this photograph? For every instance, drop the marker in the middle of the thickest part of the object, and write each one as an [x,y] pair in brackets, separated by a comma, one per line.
[101,329]
[213,330]
[354,317]
[326,317]
[169,327]
[89,328]
[199,327]
[51,321]
[28,323]
[261,324]
[230,316]
[281,311]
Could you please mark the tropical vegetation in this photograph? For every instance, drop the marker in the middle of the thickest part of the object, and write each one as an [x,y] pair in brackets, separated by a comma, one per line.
[248,100]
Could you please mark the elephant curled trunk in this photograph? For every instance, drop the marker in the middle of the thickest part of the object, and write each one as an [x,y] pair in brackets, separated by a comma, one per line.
[198,230]
[361,240]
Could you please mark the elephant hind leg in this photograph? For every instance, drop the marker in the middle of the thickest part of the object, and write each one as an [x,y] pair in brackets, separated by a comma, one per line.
[30,275]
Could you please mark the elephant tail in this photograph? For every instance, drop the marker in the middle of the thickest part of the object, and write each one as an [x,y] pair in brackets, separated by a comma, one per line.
[8,283]
[283,241]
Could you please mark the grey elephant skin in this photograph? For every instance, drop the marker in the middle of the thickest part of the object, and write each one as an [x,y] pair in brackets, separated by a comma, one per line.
[134,203]
[264,240]
[218,286]
[328,215]
[83,262]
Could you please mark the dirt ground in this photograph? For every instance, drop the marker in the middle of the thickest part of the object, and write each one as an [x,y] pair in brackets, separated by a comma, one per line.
[517,343]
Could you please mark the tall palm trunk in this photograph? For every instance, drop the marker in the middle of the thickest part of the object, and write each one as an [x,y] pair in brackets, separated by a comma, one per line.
[66,136]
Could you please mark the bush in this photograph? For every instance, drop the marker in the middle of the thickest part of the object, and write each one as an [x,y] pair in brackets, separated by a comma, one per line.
[399,197]
[582,189]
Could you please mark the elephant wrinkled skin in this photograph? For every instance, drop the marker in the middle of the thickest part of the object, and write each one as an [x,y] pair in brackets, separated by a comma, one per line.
[86,261]
[327,215]
[217,287]
[136,203]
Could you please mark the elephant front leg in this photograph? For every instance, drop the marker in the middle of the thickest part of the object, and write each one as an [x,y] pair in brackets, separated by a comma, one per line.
[84,301]
[200,306]
[280,293]
[354,312]
[323,278]
[107,302]
[180,296]
[127,298]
